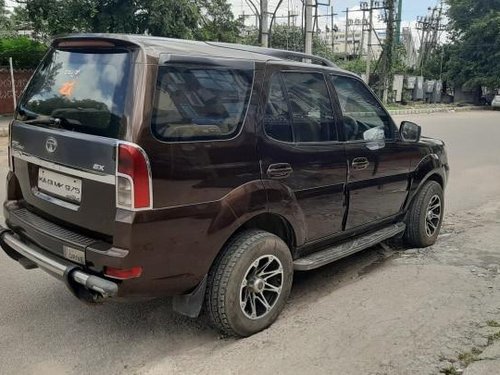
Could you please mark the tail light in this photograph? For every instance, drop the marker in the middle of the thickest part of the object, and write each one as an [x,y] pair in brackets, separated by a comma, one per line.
[133,178]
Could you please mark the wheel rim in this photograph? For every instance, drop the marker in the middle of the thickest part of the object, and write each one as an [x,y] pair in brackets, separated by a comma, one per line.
[433,216]
[261,287]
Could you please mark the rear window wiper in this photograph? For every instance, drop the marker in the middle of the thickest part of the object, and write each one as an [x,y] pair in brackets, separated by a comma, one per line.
[54,121]
[44,120]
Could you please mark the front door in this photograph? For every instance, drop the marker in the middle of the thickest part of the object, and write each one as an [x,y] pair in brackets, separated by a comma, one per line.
[379,163]
[300,148]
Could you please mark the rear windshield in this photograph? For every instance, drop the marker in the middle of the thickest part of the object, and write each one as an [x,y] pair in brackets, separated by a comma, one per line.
[84,90]
[200,102]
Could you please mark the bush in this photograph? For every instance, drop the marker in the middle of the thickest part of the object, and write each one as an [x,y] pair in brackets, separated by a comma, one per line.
[25,52]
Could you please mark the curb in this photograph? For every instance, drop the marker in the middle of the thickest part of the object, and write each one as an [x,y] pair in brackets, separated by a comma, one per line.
[398,112]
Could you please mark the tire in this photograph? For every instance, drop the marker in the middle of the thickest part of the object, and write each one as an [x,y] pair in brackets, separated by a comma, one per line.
[422,228]
[228,300]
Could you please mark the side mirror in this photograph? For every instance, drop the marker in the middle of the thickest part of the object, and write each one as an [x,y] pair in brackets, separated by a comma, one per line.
[410,132]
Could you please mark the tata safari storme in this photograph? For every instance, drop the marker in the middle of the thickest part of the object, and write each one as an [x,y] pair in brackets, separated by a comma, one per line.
[144,167]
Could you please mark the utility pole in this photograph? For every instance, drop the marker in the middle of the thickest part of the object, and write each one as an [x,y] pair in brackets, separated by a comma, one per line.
[429,27]
[264,24]
[308,27]
[332,29]
[388,51]
[362,44]
[346,31]
[369,46]
[398,21]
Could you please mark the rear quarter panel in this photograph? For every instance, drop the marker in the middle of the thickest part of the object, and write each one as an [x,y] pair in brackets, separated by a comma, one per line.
[203,192]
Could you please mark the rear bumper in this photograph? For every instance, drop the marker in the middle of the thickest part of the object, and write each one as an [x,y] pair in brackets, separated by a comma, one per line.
[50,239]
[31,256]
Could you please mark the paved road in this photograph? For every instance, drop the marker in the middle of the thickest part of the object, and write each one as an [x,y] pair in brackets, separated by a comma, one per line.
[375,312]
[473,144]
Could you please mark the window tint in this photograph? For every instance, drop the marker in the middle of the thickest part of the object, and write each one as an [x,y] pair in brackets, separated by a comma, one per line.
[361,111]
[277,117]
[310,107]
[200,102]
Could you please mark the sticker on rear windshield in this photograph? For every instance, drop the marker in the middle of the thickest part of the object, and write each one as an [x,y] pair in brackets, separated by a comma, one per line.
[73,73]
[67,88]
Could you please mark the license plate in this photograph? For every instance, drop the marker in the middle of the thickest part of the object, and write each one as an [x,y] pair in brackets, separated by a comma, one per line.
[60,185]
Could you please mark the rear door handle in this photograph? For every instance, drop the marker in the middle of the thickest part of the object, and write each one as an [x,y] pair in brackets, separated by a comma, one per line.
[279,170]
[360,163]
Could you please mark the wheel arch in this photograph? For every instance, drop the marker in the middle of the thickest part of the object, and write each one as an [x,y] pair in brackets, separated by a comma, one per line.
[272,223]
[435,176]
[420,179]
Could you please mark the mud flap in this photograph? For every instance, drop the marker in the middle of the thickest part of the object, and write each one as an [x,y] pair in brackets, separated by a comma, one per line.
[190,304]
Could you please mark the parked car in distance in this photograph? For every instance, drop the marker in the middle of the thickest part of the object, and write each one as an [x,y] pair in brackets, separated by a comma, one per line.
[495,103]
[144,167]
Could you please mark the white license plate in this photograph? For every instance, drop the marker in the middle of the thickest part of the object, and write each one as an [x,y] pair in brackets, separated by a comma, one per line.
[60,185]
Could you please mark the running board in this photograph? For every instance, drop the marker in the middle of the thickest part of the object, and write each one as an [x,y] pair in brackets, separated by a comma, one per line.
[331,254]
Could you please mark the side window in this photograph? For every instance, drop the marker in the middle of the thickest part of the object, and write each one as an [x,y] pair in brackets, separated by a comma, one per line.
[310,107]
[277,117]
[360,109]
[299,108]
[198,102]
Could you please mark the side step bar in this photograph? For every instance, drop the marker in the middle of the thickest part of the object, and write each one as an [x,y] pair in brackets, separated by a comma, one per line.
[347,248]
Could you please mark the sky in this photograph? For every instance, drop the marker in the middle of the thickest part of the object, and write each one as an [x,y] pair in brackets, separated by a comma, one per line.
[411,8]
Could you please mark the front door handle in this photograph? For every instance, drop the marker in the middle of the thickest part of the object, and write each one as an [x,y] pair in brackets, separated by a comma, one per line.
[279,170]
[360,163]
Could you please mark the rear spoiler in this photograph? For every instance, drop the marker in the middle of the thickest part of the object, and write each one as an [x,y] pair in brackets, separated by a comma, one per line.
[92,41]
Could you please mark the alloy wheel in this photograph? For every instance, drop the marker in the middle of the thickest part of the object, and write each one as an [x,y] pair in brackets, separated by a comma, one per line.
[433,215]
[261,287]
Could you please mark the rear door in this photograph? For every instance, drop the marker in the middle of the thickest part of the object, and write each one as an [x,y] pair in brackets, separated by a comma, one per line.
[300,149]
[64,140]
[379,164]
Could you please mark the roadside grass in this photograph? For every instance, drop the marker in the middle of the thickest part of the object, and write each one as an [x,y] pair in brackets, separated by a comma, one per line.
[492,323]
[451,370]
[466,358]
[493,337]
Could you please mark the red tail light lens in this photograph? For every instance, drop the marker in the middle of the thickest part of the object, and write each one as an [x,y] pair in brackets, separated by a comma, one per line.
[123,274]
[133,183]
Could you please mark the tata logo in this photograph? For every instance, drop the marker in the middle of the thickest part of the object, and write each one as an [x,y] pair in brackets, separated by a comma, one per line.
[51,144]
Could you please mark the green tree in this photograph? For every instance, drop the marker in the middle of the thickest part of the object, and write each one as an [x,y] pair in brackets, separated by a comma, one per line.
[217,22]
[292,39]
[54,17]
[357,66]
[473,57]
[25,52]
[20,18]
[188,19]
[5,24]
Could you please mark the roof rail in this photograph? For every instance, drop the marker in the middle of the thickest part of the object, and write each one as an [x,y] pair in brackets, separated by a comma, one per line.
[279,53]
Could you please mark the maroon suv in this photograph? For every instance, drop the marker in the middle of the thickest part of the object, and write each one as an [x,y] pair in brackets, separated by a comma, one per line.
[144,167]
